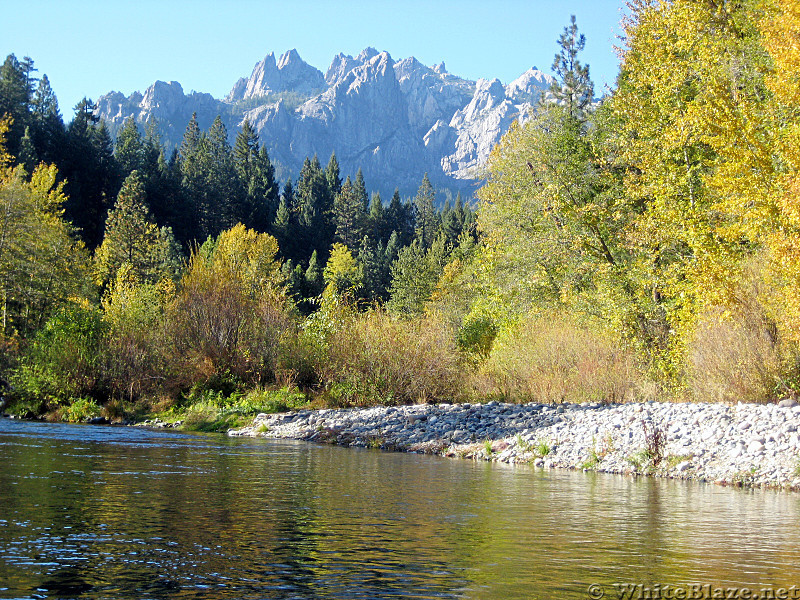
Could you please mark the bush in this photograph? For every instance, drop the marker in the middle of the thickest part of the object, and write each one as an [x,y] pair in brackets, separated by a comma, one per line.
[137,353]
[376,359]
[63,361]
[551,358]
[231,311]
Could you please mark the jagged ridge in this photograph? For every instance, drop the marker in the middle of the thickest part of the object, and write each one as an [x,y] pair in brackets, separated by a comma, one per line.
[395,120]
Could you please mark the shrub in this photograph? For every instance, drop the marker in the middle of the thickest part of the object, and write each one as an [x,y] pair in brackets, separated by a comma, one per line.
[231,311]
[136,354]
[736,357]
[376,359]
[63,360]
[745,350]
[550,358]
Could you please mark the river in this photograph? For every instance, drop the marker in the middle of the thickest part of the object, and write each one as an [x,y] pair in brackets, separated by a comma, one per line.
[122,513]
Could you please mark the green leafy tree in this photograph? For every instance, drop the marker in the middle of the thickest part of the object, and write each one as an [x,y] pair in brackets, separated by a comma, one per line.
[42,263]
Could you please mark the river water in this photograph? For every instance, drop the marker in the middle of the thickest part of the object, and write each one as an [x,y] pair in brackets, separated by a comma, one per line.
[119,513]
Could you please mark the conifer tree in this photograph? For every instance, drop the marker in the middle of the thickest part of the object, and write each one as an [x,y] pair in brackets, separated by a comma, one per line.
[314,279]
[129,148]
[361,190]
[376,220]
[48,132]
[257,176]
[349,215]
[573,88]
[332,176]
[370,257]
[425,214]
[132,238]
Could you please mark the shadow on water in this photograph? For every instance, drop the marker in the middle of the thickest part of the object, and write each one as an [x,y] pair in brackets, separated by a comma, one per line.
[63,583]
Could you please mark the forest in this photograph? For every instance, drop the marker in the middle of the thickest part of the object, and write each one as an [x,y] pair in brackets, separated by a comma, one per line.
[643,246]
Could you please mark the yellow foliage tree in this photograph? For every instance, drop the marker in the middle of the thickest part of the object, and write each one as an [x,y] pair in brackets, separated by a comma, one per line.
[781,27]
[691,98]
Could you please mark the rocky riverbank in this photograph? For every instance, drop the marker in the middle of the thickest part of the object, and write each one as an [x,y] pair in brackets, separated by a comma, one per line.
[743,444]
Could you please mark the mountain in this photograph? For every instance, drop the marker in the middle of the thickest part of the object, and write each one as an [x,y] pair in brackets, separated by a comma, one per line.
[395,120]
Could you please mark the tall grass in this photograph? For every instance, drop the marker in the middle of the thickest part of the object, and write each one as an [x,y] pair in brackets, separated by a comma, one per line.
[553,359]
[378,359]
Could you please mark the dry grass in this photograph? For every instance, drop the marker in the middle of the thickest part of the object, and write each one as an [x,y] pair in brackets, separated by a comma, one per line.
[376,359]
[735,357]
[552,359]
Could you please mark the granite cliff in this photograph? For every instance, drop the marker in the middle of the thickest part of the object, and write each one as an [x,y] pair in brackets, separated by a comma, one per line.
[394,119]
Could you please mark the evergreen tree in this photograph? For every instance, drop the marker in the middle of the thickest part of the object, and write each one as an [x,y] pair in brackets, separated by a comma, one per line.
[15,96]
[48,131]
[91,173]
[400,218]
[370,257]
[361,190]
[452,222]
[573,88]
[282,228]
[129,149]
[224,197]
[332,176]
[425,214]
[27,152]
[314,279]
[132,238]
[415,274]
[349,216]
[315,208]
[257,175]
[376,221]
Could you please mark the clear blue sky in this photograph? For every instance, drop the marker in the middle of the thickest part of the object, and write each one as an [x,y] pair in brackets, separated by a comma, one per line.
[88,48]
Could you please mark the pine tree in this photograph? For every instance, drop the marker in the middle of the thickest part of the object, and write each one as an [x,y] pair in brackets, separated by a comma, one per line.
[282,228]
[370,257]
[400,218]
[425,214]
[573,88]
[332,176]
[91,173]
[225,204]
[132,238]
[349,216]
[48,132]
[15,96]
[314,279]
[27,152]
[129,148]
[361,190]
[315,209]
[257,176]
[376,221]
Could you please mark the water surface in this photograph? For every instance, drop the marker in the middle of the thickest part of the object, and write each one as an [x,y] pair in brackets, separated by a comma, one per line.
[119,513]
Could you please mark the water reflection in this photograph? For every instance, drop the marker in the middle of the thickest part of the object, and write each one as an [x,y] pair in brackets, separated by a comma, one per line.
[97,512]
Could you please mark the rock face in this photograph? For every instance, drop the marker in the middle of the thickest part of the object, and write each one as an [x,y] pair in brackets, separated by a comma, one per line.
[395,120]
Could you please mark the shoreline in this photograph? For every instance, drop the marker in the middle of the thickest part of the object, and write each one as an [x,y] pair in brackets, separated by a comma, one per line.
[745,445]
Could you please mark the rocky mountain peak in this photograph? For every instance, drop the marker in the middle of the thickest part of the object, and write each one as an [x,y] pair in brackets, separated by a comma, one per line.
[289,73]
[529,86]
[394,119]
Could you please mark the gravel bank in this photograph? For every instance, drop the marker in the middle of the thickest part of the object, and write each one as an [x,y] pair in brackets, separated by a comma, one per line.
[746,444]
